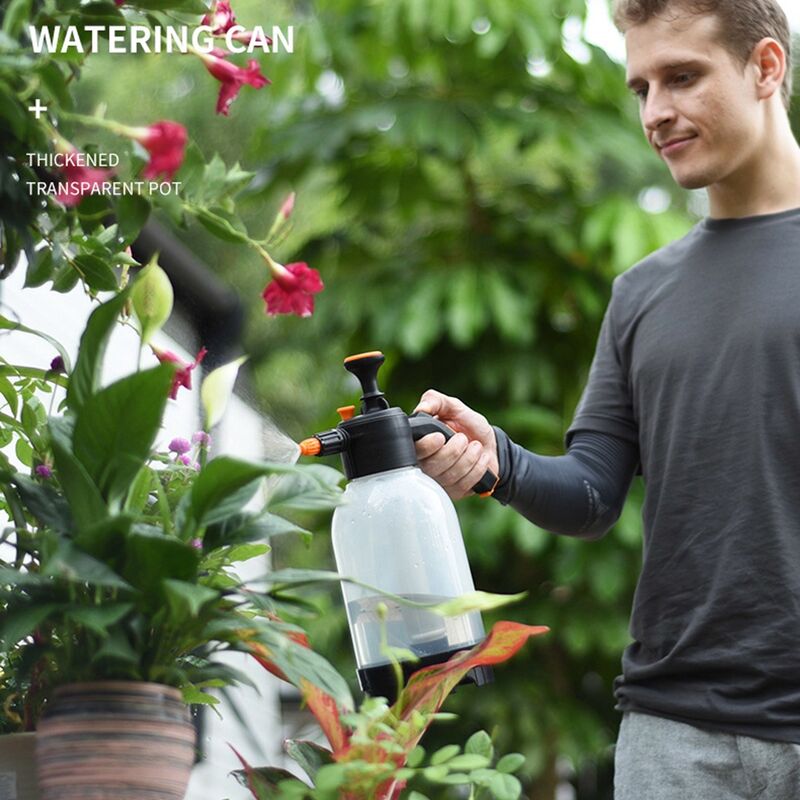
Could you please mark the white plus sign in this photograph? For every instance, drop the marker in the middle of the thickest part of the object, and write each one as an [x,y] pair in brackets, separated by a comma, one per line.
[37,108]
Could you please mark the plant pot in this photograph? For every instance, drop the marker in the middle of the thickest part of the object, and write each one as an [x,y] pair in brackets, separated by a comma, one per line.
[115,740]
[18,767]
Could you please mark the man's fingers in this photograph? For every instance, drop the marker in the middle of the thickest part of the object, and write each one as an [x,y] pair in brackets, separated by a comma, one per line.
[463,465]
[466,484]
[428,445]
[438,465]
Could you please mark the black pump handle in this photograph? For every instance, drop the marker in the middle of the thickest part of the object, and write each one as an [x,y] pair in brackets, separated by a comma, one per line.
[422,424]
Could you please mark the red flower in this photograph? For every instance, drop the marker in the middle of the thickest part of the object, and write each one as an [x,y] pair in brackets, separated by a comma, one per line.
[291,290]
[231,77]
[165,141]
[220,17]
[81,179]
[183,375]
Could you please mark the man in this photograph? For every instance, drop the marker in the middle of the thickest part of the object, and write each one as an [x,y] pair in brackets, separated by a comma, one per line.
[695,381]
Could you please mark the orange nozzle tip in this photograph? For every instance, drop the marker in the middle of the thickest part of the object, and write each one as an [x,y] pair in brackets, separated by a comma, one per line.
[310,447]
[346,412]
[363,355]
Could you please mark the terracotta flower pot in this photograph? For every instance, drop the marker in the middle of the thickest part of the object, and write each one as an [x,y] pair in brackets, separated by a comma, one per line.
[115,740]
[18,766]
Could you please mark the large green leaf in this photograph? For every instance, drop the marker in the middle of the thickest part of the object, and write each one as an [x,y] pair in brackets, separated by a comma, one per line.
[45,503]
[72,565]
[22,621]
[116,428]
[152,558]
[85,377]
[225,486]
[84,498]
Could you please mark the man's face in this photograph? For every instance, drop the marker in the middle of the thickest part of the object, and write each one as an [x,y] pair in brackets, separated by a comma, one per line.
[699,109]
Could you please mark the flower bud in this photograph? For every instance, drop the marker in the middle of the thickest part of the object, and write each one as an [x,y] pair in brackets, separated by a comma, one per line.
[151,298]
[216,390]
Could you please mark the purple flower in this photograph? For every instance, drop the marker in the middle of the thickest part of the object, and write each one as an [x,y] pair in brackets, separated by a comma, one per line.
[202,438]
[187,462]
[43,471]
[57,365]
[180,446]
[197,544]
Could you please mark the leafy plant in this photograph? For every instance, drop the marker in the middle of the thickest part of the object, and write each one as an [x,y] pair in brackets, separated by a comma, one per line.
[375,751]
[124,559]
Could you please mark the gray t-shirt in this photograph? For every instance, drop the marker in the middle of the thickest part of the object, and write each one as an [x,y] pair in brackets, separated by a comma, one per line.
[698,363]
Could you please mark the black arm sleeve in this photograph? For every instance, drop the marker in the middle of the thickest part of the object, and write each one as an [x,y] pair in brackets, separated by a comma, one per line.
[577,494]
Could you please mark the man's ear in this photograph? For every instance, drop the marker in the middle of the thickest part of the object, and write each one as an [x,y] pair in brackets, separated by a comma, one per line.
[769,60]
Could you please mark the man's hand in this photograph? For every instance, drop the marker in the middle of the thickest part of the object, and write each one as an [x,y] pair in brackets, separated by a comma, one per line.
[461,462]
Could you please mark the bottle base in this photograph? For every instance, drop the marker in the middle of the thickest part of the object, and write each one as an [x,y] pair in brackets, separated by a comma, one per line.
[380,680]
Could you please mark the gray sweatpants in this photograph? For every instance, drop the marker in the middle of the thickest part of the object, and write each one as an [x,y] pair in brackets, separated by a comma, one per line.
[660,759]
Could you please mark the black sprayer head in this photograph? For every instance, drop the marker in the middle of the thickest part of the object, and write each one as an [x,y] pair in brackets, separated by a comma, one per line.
[365,367]
[380,438]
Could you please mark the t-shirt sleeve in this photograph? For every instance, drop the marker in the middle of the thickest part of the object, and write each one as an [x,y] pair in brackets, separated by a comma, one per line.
[606,405]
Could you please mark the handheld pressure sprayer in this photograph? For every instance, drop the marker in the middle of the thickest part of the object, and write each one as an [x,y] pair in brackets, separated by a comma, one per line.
[397,530]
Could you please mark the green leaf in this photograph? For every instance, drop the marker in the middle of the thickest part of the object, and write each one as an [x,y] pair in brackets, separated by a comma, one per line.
[151,558]
[16,14]
[186,599]
[9,393]
[475,601]
[480,743]
[416,756]
[70,564]
[219,226]
[132,211]
[468,761]
[105,539]
[84,498]
[98,275]
[504,787]
[99,618]
[46,504]
[85,378]
[115,429]
[309,755]
[445,754]
[65,279]
[10,325]
[116,647]
[510,762]
[22,621]
[224,486]
[41,269]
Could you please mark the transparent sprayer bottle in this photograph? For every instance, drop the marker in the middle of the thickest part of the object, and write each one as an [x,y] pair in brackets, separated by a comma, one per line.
[397,530]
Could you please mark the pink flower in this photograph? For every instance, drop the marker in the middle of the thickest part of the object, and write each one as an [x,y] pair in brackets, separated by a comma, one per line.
[80,179]
[197,544]
[202,438]
[183,376]
[43,471]
[291,289]
[180,446]
[166,142]
[231,77]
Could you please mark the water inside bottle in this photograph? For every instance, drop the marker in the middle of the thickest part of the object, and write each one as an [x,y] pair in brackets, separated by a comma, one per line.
[422,632]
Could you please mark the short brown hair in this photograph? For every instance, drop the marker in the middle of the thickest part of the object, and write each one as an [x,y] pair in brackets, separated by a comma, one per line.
[744,23]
